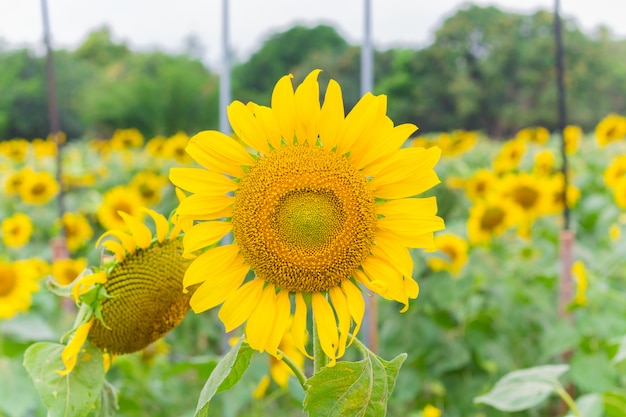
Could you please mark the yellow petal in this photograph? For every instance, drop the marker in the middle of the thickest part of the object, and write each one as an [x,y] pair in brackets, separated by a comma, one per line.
[141,233]
[332,116]
[212,264]
[407,173]
[356,305]
[340,306]
[162,226]
[258,326]
[281,323]
[128,243]
[358,121]
[409,219]
[298,326]
[116,248]
[245,126]
[283,106]
[269,124]
[85,283]
[205,234]
[239,306]
[219,153]
[326,325]
[379,270]
[71,351]
[395,254]
[202,207]
[218,288]
[197,180]
[307,101]
[378,129]
[389,141]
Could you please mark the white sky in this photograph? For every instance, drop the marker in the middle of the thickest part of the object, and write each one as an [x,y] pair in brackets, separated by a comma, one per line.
[165,24]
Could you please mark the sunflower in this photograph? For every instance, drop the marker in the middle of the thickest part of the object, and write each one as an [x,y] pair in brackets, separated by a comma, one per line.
[15,149]
[17,284]
[17,230]
[615,171]
[580,275]
[531,193]
[65,271]
[454,250]
[77,230]
[619,193]
[571,136]
[154,147]
[150,186]
[174,148]
[126,138]
[319,204]
[38,187]
[44,148]
[610,129]
[554,187]
[544,163]
[457,142]
[479,184]
[118,199]
[535,134]
[139,292]
[491,217]
[509,156]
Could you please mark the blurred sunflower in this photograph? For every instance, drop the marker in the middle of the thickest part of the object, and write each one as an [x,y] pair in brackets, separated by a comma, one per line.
[454,250]
[38,187]
[126,138]
[139,292]
[120,198]
[615,171]
[544,163]
[531,193]
[65,271]
[154,147]
[509,156]
[491,217]
[619,193]
[572,135]
[479,184]
[554,185]
[150,186]
[14,181]
[610,129]
[44,148]
[78,230]
[16,230]
[17,284]
[14,149]
[319,204]
[580,276]
[456,142]
[615,232]
[174,148]
[536,134]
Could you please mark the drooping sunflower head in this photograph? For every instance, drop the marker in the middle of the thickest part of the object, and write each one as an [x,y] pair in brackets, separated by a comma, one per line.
[318,203]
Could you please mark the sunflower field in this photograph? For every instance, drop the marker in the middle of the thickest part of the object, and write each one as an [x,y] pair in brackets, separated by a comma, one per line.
[492,302]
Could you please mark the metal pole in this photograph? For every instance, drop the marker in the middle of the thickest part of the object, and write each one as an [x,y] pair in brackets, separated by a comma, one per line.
[225,96]
[59,248]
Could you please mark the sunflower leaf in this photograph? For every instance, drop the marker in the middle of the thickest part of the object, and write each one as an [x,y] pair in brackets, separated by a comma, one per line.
[353,388]
[17,395]
[74,394]
[225,375]
[524,389]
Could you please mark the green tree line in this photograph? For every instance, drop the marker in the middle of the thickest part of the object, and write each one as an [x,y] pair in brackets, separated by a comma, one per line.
[486,70]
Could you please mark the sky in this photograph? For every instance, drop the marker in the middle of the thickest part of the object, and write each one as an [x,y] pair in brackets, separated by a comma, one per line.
[166,24]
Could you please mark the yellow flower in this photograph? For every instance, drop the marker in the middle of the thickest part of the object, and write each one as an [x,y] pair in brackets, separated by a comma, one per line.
[491,217]
[454,250]
[544,163]
[150,186]
[17,284]
[126,138]
[155,146]
[77,230]
[38,187]
[610,129]
[65,271]
[319,204]
[554,187]
[619,193]
[144,287]
[17,230]
[15,149]
[14,181]
[538,135]
[431,411]
[479,184]
[120,198]
[174,148]
[531,193]
[572,135]
[615,232]
[44,148]
[509,156]
[615,171]
[580,275]
[457,142]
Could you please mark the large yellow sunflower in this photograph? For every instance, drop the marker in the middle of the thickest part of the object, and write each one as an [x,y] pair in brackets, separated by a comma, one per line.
[319,204]
[18,281]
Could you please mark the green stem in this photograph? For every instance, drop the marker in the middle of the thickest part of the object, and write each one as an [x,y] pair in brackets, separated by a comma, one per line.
[568,400]
[320,359]
[294,368]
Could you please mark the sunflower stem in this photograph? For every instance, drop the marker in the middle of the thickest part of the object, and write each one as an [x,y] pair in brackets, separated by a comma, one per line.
[320,359]
[294,368]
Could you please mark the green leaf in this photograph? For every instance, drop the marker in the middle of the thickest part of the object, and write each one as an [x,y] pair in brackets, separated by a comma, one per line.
[614,403]
[593,372]
[17,395]
[589,405]
[621,352]
[227,373]
[72,395]
[524,389]
[107,405]
[359,389]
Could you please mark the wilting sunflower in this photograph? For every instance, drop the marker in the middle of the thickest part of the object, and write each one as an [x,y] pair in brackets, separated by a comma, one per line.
[319,204]
[451,254]
[118,199]
[16,230]
[610,129]
[18,282]
[38,187]
[491,217]
[140,291]
[78,230]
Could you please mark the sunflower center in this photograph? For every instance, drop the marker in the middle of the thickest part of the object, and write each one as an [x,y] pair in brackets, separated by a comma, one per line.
[304,218]
[492,218]
[525,196]
[7,280]
[450,252]
[38,189]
